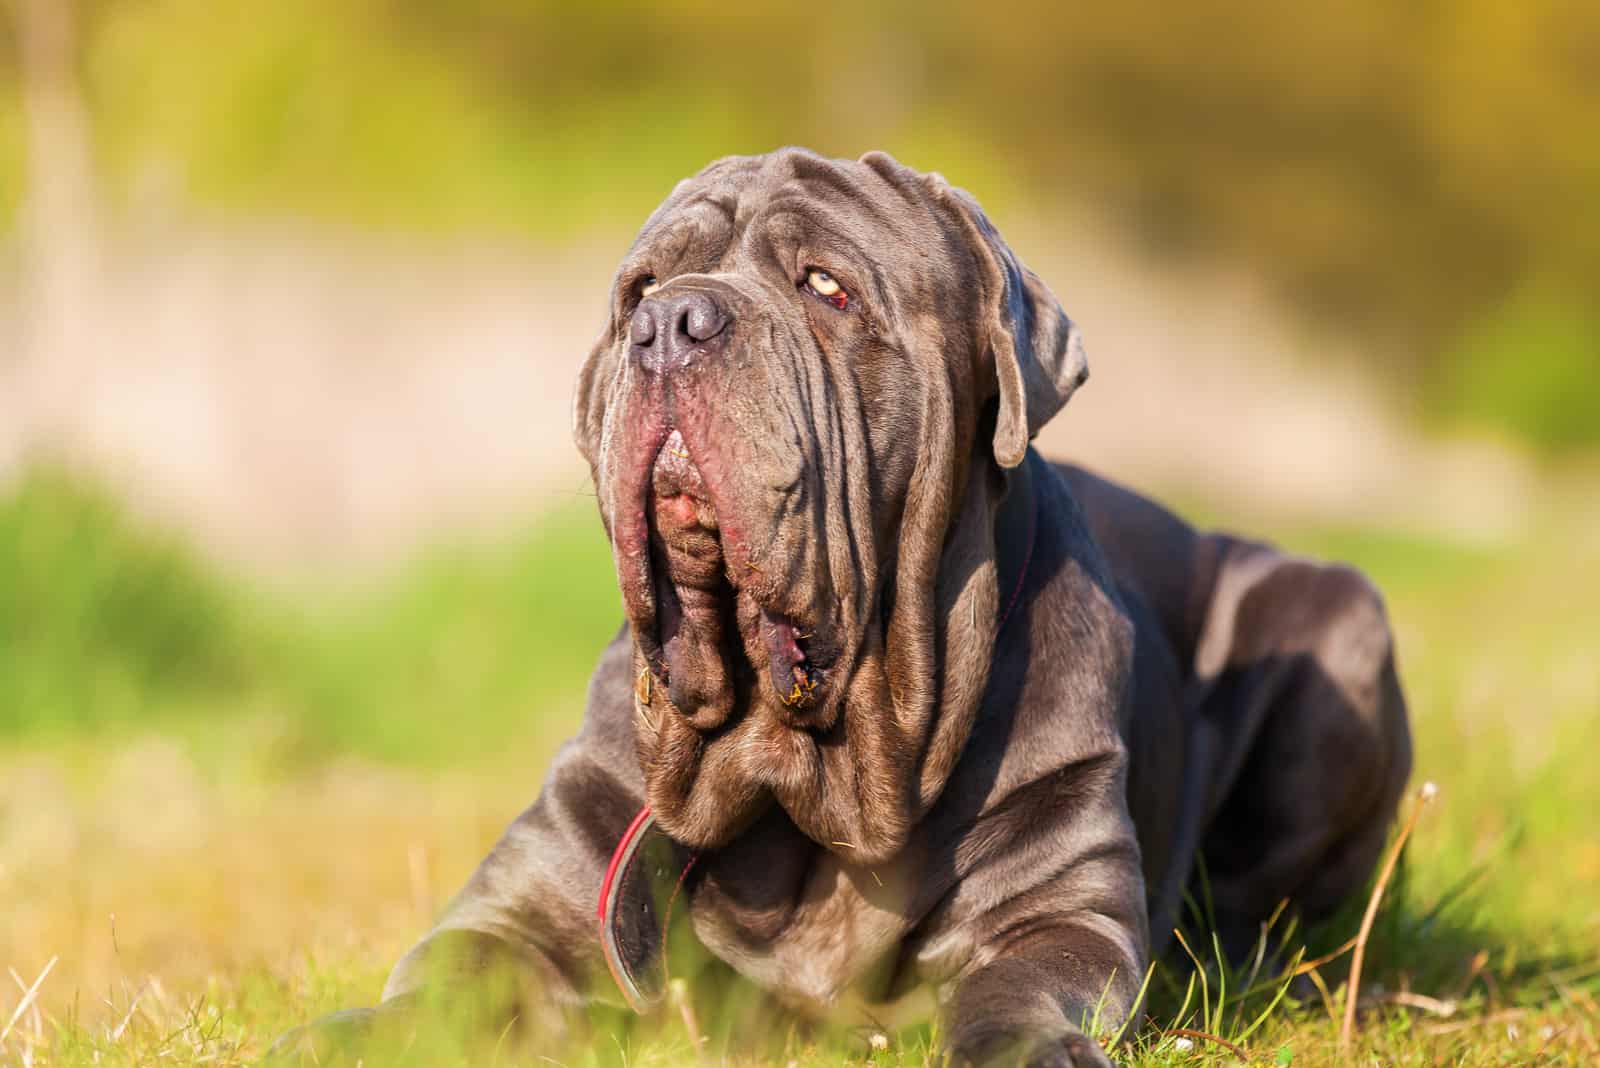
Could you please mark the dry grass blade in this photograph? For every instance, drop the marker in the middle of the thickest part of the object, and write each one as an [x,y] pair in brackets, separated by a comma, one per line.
[1326,958]
[133,1007]
[1297,969]
[1422,1002]
[1425,795]
[27,999]
[1504,1016]
[1475,967]
[1203,1036]
[1200,971]
[1322,990]
[679,992]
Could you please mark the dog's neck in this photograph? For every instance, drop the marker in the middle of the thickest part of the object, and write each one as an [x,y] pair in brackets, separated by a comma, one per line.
[859,788]
[1016,529]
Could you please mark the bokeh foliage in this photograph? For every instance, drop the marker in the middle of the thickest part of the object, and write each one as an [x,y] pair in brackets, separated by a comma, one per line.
[109,625]
[1399,170]
[100,623]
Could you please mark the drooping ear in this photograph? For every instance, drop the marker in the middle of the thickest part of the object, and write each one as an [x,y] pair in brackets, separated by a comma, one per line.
[1037,352]
[588,400]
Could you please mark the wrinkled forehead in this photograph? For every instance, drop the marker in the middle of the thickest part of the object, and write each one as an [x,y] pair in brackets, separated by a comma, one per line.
[769,205]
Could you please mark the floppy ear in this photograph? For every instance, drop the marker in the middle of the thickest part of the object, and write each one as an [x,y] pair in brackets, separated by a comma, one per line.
[1037,351]
[588,398]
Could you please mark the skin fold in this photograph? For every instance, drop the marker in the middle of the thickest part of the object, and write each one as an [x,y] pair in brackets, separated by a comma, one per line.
[927,708]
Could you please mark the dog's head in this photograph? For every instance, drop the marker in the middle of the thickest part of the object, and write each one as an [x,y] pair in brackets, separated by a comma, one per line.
[813,379]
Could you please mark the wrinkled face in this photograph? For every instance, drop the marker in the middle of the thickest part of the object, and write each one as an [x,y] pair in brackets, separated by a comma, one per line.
[754,416]
[783,422]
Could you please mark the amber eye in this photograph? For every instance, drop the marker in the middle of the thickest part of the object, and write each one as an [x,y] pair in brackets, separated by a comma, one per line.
[648,285]
[826,286]
[822,283]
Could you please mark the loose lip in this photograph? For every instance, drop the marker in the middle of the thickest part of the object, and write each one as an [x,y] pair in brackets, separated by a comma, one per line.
[794,678]
[670,482]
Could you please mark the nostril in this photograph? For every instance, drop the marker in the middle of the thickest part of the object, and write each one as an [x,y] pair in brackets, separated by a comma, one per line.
[702,320]
[642,328]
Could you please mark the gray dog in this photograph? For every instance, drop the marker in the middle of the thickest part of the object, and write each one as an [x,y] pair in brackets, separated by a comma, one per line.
[898,701]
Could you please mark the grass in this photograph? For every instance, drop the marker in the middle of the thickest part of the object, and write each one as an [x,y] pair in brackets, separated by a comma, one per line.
[109,627]
[224,810]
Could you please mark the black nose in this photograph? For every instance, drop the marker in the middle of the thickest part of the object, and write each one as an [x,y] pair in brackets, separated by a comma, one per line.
[670,330]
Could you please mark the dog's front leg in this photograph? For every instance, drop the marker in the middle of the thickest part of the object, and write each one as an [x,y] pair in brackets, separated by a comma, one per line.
[520,942]
[1063,953]
[1041,987]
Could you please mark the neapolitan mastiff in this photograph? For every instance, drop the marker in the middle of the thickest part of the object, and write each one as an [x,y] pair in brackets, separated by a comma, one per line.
[906,702]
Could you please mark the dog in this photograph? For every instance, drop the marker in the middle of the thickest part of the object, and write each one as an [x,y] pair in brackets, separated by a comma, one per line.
[897,701]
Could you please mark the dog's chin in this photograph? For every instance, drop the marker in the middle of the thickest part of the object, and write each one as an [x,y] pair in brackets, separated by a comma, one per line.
[717,639]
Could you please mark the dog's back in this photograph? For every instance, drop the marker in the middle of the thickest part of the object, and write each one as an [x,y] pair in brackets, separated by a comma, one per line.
[1297,745]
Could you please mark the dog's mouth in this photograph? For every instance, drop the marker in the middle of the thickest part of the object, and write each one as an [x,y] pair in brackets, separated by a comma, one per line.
[717,626]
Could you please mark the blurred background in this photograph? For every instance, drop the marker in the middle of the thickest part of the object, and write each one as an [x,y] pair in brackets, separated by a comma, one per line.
[299,581]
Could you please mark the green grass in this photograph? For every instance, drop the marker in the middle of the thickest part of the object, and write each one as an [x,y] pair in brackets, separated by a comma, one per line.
[101,624]
[227,810]
[110,626]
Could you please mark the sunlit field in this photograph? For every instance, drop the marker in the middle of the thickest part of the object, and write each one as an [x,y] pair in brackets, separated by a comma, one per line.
[289,290]
[225,810]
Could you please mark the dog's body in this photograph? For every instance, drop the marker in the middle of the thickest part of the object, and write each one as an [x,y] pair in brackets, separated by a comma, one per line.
[925,707]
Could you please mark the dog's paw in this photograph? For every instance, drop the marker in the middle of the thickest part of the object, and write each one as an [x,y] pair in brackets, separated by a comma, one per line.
[1068,1051]
[1071,1049]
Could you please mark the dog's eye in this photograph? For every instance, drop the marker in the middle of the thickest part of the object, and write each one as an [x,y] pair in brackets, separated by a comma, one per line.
[648,285]
[822,283]
[827,287]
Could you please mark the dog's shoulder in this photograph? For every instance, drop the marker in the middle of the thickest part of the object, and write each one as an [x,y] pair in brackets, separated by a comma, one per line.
[1156,558]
